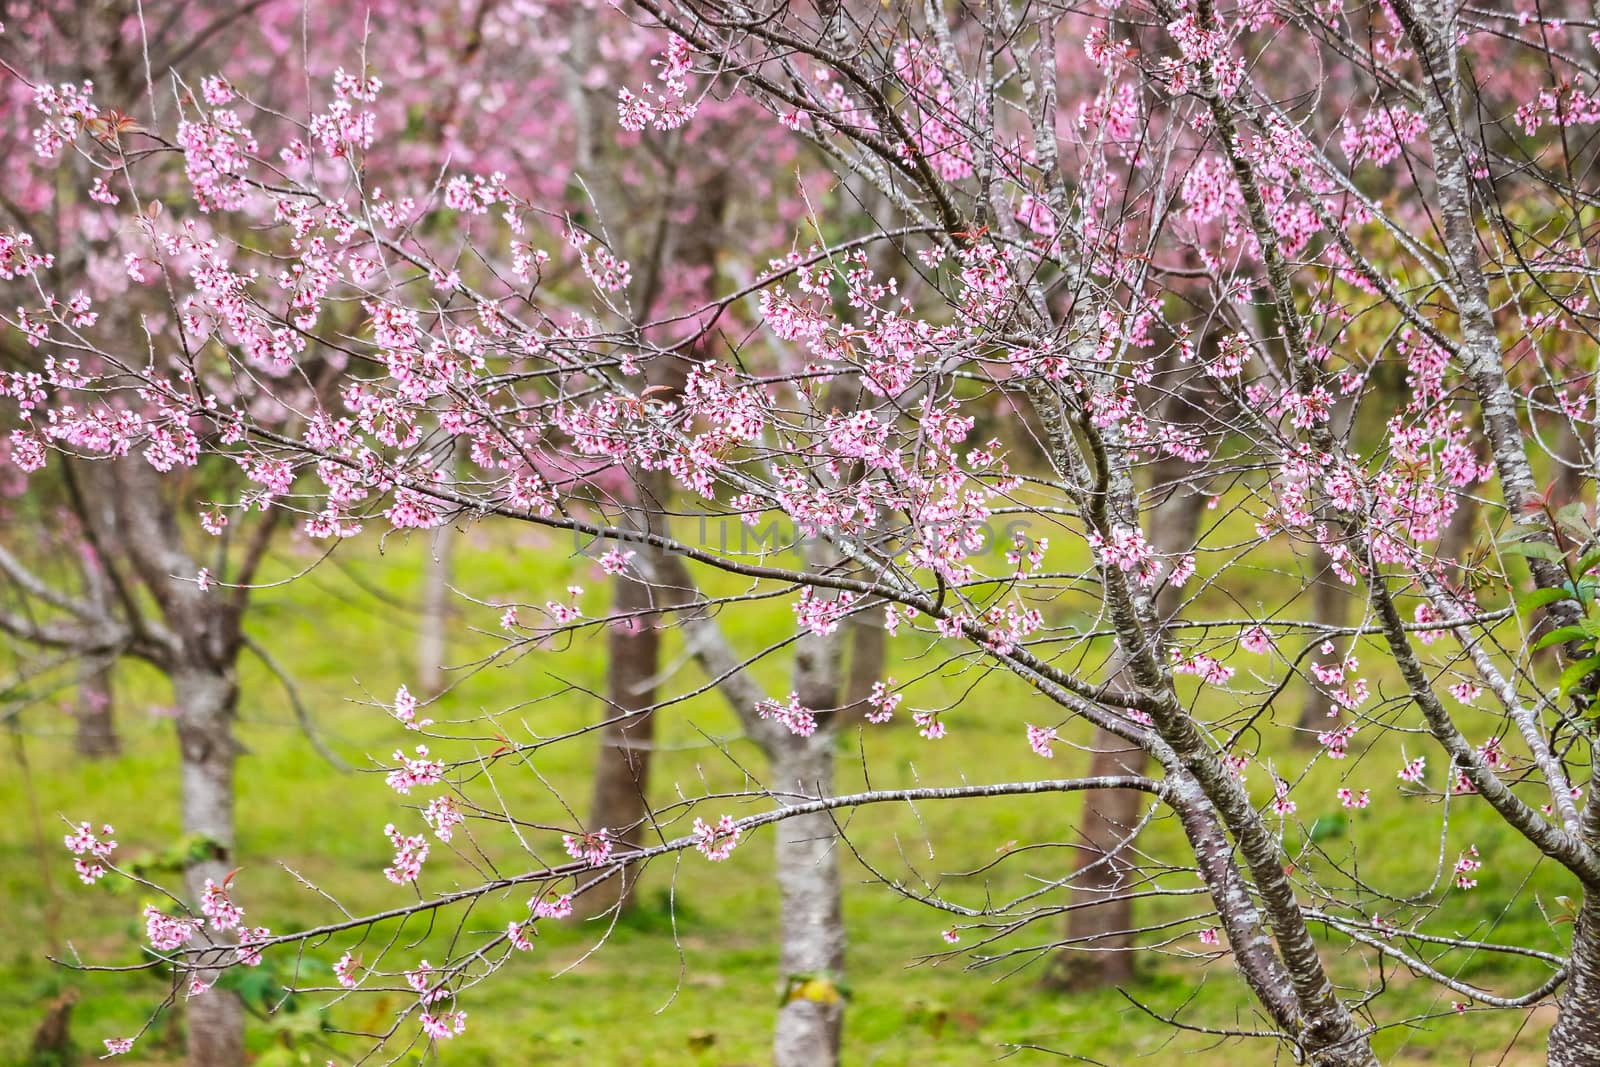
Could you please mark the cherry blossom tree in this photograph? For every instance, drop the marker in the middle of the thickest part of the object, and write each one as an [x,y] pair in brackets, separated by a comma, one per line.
[1159,235]
[139,587]
[79,79]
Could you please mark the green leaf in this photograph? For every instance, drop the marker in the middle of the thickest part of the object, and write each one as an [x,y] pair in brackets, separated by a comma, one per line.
[1531,602]
[1576,673]
[1533,550]
[1589,559]
[1560,635]
[1573,518]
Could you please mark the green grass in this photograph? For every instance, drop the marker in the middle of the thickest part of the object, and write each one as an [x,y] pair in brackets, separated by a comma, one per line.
[691,979]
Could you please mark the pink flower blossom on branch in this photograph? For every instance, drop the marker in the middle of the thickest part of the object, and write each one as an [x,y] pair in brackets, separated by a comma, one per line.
[716,841]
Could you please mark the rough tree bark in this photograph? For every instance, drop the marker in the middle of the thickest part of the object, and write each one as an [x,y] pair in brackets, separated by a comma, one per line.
[1575,1038]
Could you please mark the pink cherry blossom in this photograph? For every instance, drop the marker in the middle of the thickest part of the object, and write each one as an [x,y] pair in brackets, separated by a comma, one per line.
[410,852]
[593,848]
[345,970]
[716,841]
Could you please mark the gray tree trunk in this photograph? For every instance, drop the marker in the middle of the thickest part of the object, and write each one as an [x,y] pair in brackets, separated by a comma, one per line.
[96,728]
[811,930]
[196,644]
[1575,1038]
[206,705]
[812,937]
[811,957]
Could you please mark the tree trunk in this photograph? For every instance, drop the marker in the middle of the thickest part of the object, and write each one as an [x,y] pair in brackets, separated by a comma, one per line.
[811,958]
[1328,609]
[52,1040]
[206,705]
[811,953]
[1575,1038]
[1101,921]
[96,734]
[1571,466]
[433,624]
[1456,541]
[811,932]
[1100,926]
[622,770]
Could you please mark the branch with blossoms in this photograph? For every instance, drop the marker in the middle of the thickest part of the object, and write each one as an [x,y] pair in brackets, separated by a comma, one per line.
[170,936]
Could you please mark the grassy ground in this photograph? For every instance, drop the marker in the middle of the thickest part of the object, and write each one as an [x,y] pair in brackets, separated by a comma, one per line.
[689,980]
